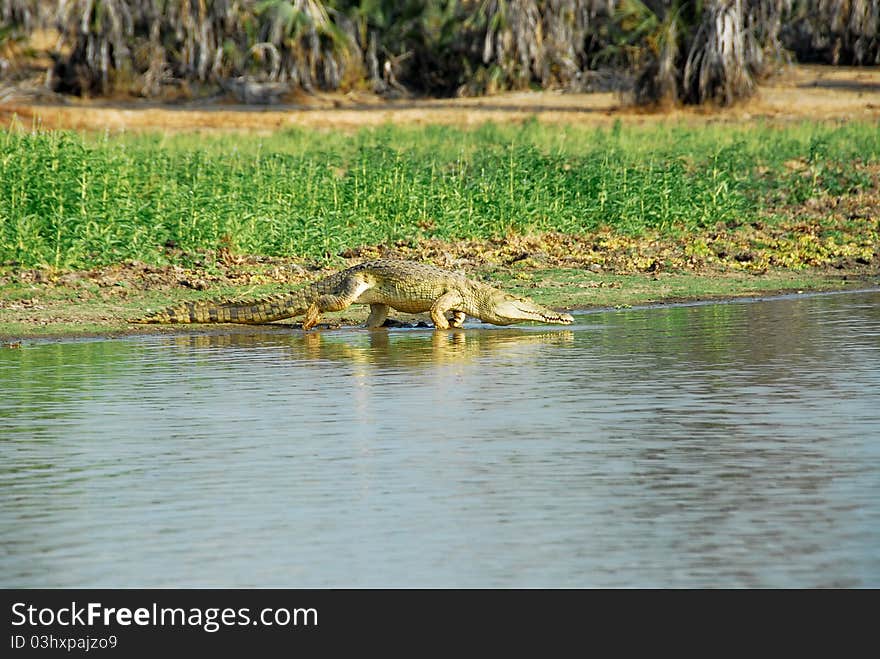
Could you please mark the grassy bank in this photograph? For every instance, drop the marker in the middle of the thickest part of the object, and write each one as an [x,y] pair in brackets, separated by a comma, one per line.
[779,206]
[69,201]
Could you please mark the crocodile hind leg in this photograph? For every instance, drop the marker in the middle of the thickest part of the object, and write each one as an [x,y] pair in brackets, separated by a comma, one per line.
[446,302]
[347,292]
[378,314]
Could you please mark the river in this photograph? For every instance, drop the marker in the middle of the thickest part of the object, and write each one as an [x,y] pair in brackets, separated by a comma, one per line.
[707,445]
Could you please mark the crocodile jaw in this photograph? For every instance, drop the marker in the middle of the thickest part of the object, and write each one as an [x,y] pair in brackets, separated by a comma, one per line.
[516,310]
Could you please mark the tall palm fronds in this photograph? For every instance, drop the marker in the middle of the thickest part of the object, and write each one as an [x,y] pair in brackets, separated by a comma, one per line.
[294,41]
[543,42]
[669,50]
[407,45]
[18,20]
[651,39]
[692,52]
[835,31]
[512,41]
[99,32]
[710,51]
[311,49]
[719,65]
[27,14]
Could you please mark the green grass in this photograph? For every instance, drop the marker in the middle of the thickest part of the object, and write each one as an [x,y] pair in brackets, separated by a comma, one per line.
[69,201]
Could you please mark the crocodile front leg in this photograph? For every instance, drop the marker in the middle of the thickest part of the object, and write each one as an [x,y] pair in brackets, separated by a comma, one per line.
[446,302]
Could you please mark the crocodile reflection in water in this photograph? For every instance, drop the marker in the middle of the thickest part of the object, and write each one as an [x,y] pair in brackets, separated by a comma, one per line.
[408,348]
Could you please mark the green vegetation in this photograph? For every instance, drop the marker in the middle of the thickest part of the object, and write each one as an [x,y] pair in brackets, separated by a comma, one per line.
[69,201]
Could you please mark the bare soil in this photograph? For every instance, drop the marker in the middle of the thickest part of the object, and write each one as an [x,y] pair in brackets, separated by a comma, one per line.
[799,92]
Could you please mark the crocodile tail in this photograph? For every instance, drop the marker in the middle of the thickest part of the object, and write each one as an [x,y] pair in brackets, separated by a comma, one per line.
[264,310]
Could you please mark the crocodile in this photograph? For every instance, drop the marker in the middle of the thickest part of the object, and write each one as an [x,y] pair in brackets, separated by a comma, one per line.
[383,284]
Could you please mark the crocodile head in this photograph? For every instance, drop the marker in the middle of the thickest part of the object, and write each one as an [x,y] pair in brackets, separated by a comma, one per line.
[505,309]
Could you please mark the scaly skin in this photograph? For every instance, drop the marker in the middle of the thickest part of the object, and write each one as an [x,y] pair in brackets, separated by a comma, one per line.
[403,285]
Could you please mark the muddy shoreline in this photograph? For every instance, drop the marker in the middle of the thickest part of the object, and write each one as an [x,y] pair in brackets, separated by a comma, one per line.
[73,320]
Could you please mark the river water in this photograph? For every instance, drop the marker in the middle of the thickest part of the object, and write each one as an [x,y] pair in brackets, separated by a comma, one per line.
[731,445]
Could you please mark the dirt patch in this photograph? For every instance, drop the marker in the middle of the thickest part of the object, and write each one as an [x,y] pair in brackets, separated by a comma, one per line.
[801,92]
